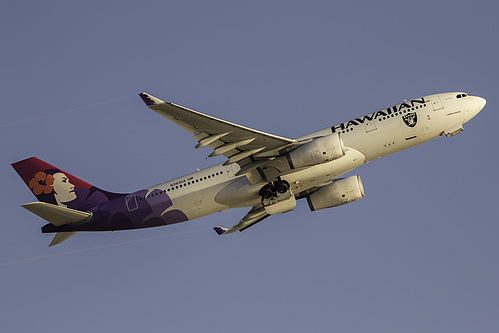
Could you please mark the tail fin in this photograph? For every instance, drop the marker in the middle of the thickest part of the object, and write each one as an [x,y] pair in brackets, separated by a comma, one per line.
[52,185]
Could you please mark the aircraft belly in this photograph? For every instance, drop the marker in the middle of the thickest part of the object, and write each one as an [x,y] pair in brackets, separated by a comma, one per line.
[239,193]
[199,203]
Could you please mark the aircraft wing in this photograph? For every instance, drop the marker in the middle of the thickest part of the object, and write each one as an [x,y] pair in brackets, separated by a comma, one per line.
[255,215]
[239,144]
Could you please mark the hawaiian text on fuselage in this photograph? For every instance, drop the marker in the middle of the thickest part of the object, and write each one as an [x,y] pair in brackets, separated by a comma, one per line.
[375,115]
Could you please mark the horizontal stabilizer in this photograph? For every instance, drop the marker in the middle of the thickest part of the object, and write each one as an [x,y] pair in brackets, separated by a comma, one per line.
[58,215]
[62,237]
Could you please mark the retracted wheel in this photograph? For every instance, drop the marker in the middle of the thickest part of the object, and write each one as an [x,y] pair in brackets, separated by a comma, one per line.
[281,186]
[266,192]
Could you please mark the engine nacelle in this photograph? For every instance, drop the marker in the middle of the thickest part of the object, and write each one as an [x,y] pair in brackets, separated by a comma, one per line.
[339,192]
[318,151]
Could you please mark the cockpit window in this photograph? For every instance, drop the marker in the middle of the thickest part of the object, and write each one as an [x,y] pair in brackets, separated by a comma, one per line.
[461,95]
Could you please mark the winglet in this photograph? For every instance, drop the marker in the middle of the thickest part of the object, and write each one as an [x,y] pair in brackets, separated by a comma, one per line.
[220,230]
[150,100]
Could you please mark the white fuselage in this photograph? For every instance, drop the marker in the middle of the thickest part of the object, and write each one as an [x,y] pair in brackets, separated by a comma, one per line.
[366,138]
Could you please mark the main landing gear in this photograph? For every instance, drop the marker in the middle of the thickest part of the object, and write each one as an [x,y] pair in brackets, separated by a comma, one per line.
[277,197]
[271,189]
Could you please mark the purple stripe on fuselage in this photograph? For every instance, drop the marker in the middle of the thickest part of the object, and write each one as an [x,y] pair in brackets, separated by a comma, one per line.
[137,210]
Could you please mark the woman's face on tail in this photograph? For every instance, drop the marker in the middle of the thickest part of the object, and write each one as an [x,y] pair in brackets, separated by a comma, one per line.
[63,189]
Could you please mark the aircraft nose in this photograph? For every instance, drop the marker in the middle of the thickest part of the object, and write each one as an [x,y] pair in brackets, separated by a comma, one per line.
[477,106]
[481,103]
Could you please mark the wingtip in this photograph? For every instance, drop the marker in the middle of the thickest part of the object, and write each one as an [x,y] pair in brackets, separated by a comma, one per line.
[220,230]
[150,100]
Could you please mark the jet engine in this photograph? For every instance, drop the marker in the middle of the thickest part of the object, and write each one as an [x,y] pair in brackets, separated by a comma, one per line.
[318,151]
[339,192]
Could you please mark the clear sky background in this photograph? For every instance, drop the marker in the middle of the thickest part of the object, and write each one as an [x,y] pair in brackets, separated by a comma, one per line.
[420,253]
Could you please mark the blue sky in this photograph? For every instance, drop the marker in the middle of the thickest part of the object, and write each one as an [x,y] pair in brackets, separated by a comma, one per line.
[418,254]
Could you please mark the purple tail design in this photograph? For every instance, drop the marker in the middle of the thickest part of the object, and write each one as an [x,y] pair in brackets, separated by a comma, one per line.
[71,205]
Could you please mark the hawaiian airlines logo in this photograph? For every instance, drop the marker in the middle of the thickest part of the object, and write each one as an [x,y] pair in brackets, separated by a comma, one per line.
[52,186]
[410,119]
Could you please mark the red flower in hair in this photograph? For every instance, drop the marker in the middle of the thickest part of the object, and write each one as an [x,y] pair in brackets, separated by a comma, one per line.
[41,183]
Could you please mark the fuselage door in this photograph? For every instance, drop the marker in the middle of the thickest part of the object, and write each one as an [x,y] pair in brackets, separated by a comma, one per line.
[415,123]
[436,103]
[131,202]
[229,170]
[369,124]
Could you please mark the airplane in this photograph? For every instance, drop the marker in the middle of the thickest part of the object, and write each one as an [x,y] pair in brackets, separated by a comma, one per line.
[265,172]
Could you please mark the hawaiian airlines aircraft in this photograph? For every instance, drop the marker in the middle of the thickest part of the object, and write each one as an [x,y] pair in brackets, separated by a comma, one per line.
[263,171]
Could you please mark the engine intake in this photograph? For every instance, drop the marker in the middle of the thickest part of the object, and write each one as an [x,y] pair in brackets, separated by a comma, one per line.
[339,192]
[318,151]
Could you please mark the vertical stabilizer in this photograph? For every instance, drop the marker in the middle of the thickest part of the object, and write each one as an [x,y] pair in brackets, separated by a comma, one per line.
[52,185]
[28,168]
